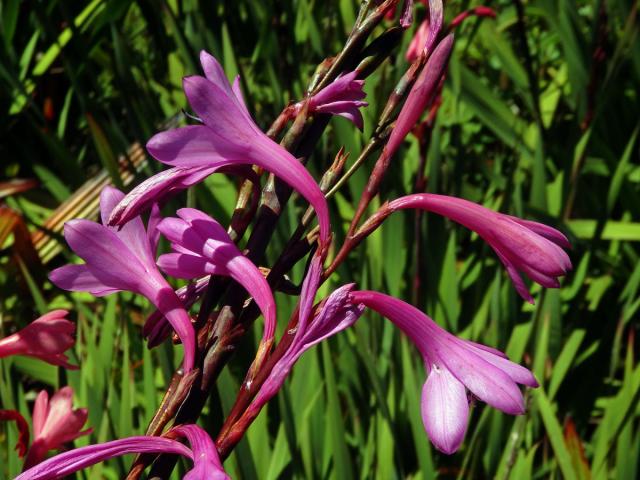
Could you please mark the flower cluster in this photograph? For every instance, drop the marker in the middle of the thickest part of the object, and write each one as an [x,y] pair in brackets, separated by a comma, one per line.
[120,254]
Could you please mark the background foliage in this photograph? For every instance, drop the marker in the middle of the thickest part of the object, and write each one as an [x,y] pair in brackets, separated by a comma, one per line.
[539,119]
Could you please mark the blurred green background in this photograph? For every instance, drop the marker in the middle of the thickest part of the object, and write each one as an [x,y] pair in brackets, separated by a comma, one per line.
[539,119]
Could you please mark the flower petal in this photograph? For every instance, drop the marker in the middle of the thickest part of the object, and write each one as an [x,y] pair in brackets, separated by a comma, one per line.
[445,409]
[40,413]
[153,234]
[78,278]
[133,234]
[516,372]
[157,189]
[108,257]
[516,279]
[198,145]
[188,267]
[336,314]
[486,381]
[545,231]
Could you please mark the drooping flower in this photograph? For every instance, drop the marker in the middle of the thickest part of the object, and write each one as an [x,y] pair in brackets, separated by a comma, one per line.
[55,422]
[156,328]
[202,247]
[46,338]
[122,259]
[422,93]
[336,314]
[342,97]
[207,465]
[206,462]
[453,366]
[523,246]
[23,429]
[228,136]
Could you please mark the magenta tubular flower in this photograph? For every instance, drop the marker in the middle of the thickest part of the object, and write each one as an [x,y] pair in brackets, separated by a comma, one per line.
[156,328]
[55,422]
[522,245]
[46,338]
[207,465]
[421,95]
[122,259]
[23,429]
[342,97]
[337,313]
[202,247]
[453,366]
[227,137]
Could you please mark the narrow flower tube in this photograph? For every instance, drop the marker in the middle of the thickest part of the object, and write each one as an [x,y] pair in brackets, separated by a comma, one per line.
[228,136]
[55,422]
[122,259]
[421,95]
[156,328]
[522,245]
[343,97]
[207,465]
[453,367]
[46,338]
[202,247]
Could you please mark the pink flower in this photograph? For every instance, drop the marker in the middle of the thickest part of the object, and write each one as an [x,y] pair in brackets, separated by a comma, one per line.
[46,338]
[202,247]
[420,96]
[453,366]
[55,423]
[203,453]
[122,259]
[523,246]
[427,33]
[342,97]
[227,137]
[336,314]
[419,40]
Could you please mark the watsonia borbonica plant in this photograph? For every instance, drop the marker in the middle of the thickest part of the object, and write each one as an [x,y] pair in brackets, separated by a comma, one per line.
[120,253]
